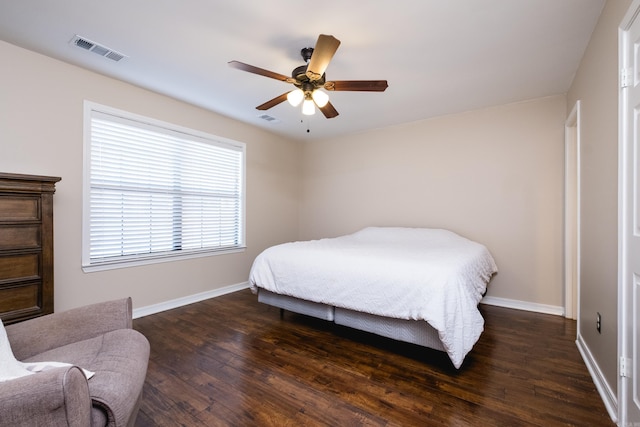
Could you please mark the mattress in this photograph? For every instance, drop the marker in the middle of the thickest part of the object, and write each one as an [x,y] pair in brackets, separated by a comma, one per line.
[430,275]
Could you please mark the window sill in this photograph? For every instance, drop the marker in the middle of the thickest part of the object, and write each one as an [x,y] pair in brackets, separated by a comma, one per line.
[155,259]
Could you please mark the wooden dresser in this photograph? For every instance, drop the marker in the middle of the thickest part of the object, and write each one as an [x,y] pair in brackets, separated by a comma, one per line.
[26,246]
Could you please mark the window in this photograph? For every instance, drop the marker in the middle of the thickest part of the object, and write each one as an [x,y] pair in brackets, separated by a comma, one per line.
[155,191]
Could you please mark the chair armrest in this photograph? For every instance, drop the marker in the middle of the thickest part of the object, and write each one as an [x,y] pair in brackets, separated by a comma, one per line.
[57,397]
[44,333]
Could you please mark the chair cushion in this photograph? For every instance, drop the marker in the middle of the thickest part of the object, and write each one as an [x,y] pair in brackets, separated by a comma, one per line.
[119,359]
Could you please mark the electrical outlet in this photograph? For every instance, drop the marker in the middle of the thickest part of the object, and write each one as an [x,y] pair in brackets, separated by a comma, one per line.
[599,323]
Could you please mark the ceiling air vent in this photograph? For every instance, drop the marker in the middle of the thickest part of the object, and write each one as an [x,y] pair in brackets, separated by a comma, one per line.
[268,118]
[96,48]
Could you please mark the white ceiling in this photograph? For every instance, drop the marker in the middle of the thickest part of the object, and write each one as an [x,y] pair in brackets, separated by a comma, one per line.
[439,56]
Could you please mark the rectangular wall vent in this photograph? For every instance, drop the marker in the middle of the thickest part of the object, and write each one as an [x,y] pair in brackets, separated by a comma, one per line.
[96,48]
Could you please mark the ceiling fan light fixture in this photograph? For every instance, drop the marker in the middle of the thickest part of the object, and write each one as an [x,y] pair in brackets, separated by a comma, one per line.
[295,97]
[321,98]
[308,109]
[310,77]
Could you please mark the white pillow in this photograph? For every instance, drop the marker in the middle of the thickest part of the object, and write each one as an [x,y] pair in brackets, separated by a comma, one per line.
[11,368]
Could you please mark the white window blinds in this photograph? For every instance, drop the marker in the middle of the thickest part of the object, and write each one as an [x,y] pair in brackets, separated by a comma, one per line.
[156,192]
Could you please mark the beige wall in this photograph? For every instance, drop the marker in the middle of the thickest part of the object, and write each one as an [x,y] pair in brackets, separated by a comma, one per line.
[493,175]
[41,121]
[596,85]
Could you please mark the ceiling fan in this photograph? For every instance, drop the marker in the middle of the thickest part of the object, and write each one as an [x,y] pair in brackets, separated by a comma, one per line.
[310,78]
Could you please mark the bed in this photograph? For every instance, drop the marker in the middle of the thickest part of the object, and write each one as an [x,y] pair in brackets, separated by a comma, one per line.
[418,285]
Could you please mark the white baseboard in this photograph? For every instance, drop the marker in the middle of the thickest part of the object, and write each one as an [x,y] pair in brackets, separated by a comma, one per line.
[523,305]
[606,394]
[190,299]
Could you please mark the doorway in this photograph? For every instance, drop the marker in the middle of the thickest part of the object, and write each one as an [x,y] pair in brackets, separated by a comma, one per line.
[572,213]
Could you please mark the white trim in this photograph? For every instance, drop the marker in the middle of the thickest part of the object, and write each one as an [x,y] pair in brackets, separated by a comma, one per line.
[523,305]
[158,258]
[624,384]
[622,138]
[189,299]
[606,393]
[571,218]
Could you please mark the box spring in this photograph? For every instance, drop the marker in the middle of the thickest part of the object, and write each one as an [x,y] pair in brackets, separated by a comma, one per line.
[309,308]
[413,331]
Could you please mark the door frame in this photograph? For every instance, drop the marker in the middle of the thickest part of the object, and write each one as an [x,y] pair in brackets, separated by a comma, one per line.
[625,155]
[572,214]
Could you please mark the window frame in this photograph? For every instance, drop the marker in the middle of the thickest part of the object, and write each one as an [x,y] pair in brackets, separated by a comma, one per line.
[89,265]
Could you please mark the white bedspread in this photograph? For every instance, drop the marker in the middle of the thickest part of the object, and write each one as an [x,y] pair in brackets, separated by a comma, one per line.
[407,273]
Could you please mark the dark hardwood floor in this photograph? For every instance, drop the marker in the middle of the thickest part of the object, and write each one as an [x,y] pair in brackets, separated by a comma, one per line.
[231,361]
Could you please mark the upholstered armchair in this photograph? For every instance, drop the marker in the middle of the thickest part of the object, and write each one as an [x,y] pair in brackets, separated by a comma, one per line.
[98,338]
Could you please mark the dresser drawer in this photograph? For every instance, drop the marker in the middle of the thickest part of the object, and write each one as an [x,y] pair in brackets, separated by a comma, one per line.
[20,301]
[16,208]
[19,267]
[26,246]
[20,236]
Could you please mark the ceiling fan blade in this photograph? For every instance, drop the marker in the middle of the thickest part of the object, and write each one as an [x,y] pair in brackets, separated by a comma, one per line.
[260,71]
[326,47]
[328,110]
[357,85]
[272,103]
